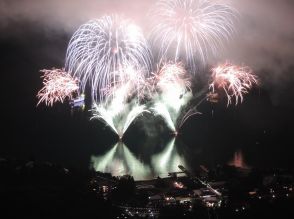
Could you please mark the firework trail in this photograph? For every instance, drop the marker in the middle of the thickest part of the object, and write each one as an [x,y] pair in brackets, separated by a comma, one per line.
[100,51]
[191,30]
[57,86]
[234,80]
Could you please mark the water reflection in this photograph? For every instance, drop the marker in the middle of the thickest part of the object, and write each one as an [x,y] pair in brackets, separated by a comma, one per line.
[167,160]
[119,160]
[238,160]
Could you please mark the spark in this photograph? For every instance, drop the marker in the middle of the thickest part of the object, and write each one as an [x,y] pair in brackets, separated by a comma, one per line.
[191,30]
[234,80]
[58,85]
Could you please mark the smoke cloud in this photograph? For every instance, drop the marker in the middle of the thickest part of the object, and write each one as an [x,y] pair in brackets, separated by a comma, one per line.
[265,42]
[265,31]
[265,38]
[68,14]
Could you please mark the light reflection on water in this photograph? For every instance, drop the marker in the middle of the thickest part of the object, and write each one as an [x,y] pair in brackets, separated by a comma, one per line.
[167,160]
[119,160]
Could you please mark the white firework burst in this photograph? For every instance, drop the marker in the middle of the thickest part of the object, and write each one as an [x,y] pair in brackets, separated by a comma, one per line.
[191,30]
[101,48]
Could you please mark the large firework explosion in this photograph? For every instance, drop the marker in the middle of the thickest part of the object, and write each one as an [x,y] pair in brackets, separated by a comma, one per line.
[101,50]
[191,30]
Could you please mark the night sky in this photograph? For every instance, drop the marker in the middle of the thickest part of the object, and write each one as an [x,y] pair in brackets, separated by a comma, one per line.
[34,36]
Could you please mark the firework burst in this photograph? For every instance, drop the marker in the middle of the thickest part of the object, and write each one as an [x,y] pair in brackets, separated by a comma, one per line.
[58,85]
[171,75]
[174,91]
[191,30]
[136,87]
[234,80]
[101,50]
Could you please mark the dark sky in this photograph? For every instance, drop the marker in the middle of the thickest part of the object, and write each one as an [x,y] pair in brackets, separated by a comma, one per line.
[34,36]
